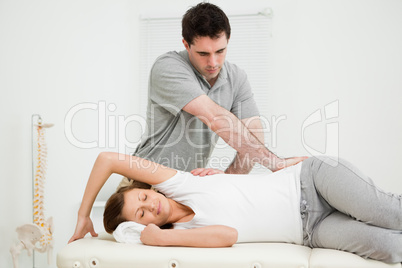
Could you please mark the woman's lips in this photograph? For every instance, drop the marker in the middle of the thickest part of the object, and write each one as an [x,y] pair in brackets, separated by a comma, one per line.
[159,208]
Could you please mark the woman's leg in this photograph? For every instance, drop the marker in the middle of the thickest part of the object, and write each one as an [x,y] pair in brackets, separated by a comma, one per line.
[338,231]
[351,192]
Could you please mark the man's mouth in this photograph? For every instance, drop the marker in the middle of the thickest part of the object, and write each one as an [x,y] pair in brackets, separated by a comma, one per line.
[212,70]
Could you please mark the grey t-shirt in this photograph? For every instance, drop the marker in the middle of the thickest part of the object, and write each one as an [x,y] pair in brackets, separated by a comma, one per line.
[174,137]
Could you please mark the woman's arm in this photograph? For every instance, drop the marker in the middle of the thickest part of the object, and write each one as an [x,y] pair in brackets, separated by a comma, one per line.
[105,165]
[213,236]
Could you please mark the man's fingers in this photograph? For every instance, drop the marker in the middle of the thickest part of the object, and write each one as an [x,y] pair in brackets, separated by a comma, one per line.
[204,173]
[196,171]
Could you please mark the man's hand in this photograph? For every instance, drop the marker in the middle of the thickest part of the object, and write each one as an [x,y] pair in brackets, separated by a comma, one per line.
[84,226]
[287,162]
[206,171]
[151,235]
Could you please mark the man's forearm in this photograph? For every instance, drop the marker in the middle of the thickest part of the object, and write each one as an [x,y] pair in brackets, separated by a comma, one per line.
[234,133]
[240,165]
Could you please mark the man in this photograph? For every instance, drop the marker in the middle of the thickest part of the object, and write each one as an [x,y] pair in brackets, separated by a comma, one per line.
[195,97]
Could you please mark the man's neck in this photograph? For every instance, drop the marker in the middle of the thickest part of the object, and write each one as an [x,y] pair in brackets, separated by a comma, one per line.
[212,81]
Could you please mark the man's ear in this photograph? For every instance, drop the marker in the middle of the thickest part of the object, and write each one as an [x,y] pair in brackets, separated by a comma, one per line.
[186,45]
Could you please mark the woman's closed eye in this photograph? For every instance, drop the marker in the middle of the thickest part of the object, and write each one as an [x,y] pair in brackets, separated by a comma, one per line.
[143,212]
[142,196]
[140,213]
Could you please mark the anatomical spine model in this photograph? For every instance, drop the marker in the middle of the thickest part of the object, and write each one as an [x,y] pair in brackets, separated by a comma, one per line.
[37,236]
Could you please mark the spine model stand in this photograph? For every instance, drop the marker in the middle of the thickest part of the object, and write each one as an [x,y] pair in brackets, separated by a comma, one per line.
[36,236]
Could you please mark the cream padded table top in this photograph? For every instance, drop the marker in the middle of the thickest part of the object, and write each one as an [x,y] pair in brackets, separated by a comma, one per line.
[105,252]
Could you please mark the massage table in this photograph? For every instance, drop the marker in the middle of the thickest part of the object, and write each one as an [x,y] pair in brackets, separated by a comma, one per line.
[104,252]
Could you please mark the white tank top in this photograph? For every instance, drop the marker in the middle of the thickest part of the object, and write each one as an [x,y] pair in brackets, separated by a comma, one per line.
[262,207]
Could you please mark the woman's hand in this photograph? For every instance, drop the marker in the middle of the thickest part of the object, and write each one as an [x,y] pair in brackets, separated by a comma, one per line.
[151,235]
[206,171]
[84,226]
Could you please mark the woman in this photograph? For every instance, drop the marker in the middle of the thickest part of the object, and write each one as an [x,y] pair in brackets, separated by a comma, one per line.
[319,202]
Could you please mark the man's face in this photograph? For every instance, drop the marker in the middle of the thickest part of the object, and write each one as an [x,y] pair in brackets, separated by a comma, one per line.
[208,55]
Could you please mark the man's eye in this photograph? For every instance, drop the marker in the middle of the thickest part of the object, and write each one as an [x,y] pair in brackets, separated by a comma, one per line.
[142,214]
[145,198]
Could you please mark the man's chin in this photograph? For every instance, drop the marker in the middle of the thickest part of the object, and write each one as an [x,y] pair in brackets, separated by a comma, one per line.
[210,77]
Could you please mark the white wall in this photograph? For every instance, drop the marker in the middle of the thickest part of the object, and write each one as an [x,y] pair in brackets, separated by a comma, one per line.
[57,54]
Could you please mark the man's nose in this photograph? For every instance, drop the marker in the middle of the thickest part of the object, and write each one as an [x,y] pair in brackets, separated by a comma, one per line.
[212,60]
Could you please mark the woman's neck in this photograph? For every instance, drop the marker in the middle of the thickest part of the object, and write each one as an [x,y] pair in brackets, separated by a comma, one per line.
[180,213]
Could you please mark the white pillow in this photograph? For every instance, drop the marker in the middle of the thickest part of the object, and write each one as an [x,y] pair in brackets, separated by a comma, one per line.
[128,232]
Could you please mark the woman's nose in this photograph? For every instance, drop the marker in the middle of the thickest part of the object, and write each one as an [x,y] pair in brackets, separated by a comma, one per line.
[151,206]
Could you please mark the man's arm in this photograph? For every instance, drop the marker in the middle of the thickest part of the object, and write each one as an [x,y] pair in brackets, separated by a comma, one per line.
[234,133]
[212,236]
[242,164]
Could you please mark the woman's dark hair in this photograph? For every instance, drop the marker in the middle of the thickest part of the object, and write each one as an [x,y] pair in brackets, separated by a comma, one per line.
[204,19]
[112,216]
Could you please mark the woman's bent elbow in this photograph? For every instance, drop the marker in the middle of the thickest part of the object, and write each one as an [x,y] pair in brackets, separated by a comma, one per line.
[106,157]
[232,237]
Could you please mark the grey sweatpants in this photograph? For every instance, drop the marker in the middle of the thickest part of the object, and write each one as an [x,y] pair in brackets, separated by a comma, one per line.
[342,209]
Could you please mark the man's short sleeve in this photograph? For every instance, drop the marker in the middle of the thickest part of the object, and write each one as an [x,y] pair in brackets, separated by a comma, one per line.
[173,83]
[244,105]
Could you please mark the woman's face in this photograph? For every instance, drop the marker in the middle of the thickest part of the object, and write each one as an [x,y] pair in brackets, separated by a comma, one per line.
[145,207]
